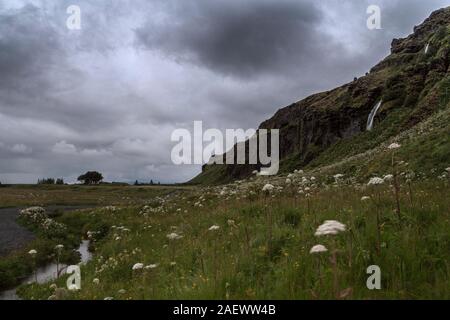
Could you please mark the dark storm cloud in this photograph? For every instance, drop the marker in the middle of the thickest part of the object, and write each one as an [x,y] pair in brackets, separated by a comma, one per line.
[28,46]
[107,97]
[250,38]
[237,37]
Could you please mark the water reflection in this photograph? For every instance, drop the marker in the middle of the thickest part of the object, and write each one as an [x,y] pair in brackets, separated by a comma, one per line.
[48,272]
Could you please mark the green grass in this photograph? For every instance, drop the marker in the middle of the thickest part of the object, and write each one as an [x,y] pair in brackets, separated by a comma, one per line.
[18,265]
[425,150]
[264,254]
[43,195]
[213,174]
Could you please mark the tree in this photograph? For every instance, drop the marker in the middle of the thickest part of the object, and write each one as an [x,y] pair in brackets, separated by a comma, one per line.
[91,177]
[46,181]
[60,181]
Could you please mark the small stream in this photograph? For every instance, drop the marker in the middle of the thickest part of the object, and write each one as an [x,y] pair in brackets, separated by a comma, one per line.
[47,273]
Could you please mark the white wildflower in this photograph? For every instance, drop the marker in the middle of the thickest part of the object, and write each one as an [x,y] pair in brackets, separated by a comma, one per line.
[32,252]
[375,181]
[231,223]
[174,236]
[268,188]
[394,146]
[365,198]
[214,228]
[138,266]
[318,249]
[73,287]
[330,227]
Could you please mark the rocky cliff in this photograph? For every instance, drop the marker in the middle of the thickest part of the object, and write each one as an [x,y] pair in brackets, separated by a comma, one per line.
[412,83]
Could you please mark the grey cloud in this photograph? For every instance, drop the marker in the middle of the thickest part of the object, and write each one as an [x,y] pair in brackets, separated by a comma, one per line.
[236,37]
[108,97]
[401,16]
[28,47]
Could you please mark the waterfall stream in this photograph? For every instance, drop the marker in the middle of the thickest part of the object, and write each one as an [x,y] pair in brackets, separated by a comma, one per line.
[427,48]
[372,115]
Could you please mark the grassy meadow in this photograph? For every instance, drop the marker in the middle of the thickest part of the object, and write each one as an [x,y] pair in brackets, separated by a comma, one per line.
[18,265]
[238,242]
[72,195]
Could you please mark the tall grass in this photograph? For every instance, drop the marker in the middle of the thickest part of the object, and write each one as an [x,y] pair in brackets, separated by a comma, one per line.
[263,253]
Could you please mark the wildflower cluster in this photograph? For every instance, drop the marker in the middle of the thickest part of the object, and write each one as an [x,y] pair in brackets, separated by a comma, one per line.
[149,210]
[33,215]
[112,263]
[36,217]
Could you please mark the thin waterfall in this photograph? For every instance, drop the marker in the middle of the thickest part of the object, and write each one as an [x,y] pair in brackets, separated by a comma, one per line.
[427,47]
[372,115]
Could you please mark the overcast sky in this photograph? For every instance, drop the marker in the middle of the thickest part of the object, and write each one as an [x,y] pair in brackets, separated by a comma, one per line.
[107,97]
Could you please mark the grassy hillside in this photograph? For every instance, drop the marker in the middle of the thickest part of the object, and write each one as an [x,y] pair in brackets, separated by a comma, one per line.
[425,151]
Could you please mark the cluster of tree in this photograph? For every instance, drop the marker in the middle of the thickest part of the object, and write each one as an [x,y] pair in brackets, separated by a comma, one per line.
[91,177]
[151,183]
[58,181]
